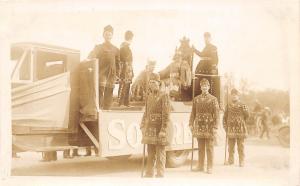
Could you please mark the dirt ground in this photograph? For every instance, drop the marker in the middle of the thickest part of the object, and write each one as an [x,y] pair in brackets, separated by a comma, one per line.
[266,161]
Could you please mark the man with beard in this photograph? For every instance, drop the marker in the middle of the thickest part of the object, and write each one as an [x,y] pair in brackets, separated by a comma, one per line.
[154,127]
[234,123]
[108,58]
[204,124]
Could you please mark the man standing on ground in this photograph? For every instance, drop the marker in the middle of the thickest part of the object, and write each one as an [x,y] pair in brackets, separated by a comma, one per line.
[154,127]
[265,122]
[204,124]
[126,69]
[108,58]
[234,123]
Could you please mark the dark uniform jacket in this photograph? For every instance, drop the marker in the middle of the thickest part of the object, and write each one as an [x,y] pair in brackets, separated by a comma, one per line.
[126,70]
[204,116]
[109,59]
[156,119]
[234,120]
[210,62]
[140,85]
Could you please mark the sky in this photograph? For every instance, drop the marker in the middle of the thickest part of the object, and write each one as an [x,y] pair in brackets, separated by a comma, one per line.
[250,37]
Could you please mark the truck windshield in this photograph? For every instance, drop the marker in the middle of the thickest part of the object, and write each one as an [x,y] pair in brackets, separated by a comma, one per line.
[21,64]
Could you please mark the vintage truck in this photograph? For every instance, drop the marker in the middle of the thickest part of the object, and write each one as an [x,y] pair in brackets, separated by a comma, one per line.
[55,108]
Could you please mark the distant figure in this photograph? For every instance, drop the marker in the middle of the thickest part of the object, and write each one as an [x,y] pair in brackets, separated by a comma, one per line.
[209,57]
[126,70]
[257,107]
[154,126]
[234,123]
[108,58]
[257,111]
[204,124]
[265,122]
[140,85]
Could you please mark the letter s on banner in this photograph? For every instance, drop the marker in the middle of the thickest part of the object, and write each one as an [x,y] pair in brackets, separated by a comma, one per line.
[116,134]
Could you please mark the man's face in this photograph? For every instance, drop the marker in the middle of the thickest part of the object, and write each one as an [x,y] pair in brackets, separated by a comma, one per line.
[154,85]
[205,88]
[129,41]
[151,68]
[207,39]
[234,97]
[107,36]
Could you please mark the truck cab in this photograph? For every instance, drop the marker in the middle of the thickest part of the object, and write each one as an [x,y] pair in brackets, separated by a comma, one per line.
[45,103]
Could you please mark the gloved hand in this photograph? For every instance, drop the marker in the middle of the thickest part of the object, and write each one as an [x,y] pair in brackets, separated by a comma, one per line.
[191,127]
[215,130]
[143,130]
[162,134]
[225,128]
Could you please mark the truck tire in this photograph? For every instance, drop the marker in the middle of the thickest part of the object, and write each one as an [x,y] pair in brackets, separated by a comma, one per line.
[118,158]
[284,136]
[176,158]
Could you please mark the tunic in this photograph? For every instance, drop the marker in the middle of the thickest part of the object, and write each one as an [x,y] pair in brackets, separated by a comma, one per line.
[109,61]
[234,120]
[156,119]
[204,116]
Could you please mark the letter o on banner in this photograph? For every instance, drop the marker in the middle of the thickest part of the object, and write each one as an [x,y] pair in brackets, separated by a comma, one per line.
[134,135]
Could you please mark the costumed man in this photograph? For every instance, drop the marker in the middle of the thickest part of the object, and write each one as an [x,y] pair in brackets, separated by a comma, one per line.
[108,58]
[126,69]
[204,124]
[186,51]
[209,57]
[140,85]
[234,123]
[265,122]
[154,125]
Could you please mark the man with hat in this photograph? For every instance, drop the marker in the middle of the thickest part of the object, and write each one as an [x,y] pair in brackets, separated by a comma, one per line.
[108,58]
[140,85]
[154,125]
[209,57]
[234,123]
[126,70]
[204,124]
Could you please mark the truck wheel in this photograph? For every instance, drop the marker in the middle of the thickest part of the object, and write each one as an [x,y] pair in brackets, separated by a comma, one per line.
[118,158]
[176,158]
[284,136]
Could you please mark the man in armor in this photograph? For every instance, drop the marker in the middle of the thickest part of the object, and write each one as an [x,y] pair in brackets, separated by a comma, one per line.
[126,69]
[204,124]
[186,51]
[209,57]
[234,123]
[154,126]
[108,58]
